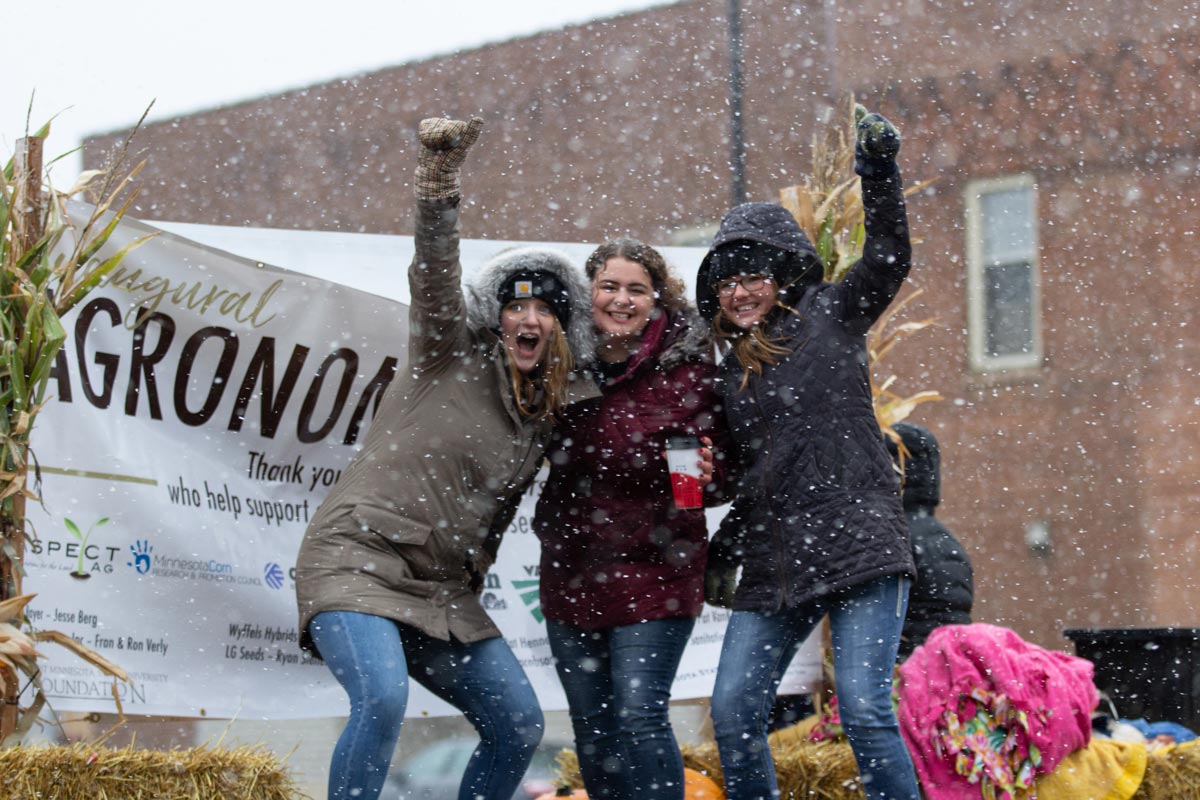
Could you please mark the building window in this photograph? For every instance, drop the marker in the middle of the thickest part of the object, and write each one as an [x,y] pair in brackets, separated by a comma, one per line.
[1003,320]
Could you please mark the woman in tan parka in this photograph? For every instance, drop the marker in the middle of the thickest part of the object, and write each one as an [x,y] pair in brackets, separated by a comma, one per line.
[388,573]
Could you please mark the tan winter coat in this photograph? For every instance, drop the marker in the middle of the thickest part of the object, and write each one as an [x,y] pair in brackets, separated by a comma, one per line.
[445,460]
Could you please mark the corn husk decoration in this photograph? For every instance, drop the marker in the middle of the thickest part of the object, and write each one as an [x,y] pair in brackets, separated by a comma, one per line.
[47,265]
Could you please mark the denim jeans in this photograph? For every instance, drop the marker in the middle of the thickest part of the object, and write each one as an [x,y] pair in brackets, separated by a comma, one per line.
[865,622]
[373,657]
[618,687]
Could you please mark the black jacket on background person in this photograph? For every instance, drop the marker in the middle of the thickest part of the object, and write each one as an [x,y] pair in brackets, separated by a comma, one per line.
[818,502]
[944,589]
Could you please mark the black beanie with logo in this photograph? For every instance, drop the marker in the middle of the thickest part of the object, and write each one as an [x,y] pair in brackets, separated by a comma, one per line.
[544,286]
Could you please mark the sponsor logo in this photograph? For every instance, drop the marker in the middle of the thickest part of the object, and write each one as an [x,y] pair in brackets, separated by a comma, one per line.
[529,596]
[273,575]
[74,557]
[82,538]
[196,568]
[141,550]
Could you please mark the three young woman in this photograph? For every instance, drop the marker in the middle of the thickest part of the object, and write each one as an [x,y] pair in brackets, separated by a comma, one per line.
[387,574]
[817,526]
[389,569]
[622,569]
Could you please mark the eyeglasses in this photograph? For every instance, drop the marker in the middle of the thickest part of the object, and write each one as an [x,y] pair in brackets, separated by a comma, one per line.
[751,283]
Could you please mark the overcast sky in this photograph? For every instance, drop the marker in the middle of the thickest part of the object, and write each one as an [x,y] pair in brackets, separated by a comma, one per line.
[98,65]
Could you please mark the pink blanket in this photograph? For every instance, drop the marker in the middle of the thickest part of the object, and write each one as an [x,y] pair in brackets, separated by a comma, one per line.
[982,711]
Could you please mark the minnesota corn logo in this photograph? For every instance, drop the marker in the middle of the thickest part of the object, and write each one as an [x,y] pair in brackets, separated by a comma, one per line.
[523,289]
[529,596]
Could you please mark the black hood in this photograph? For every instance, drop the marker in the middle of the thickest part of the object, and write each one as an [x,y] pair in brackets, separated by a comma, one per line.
[922,468]
[766,223]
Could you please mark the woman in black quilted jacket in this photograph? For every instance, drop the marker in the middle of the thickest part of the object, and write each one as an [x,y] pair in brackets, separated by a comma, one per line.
[817,526]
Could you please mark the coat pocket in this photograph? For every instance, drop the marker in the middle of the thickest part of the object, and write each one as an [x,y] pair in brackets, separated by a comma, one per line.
[391,526]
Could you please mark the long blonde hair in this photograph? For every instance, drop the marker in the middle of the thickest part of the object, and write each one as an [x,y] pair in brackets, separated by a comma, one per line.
[542,394]
[754,348]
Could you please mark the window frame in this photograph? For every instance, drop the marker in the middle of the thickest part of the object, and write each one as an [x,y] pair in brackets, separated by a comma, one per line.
[980,360]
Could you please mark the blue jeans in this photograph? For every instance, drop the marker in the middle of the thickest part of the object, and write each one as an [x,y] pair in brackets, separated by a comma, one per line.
[618,687]
[372,658]
[865,622]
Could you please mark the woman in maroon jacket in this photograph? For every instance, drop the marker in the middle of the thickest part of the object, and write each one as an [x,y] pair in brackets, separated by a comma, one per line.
[622,571]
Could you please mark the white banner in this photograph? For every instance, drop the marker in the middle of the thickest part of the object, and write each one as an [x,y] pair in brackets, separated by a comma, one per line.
[204,404]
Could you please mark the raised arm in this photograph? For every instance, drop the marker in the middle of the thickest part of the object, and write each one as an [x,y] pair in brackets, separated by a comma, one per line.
[437,316]
[874,281]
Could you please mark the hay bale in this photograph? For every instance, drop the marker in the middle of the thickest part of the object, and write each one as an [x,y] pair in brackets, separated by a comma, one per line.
[826,770]
[1171,774]
[816,771]
[85,772]
[805,770]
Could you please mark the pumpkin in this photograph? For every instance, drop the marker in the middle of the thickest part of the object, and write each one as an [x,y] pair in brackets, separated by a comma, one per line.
[698,786]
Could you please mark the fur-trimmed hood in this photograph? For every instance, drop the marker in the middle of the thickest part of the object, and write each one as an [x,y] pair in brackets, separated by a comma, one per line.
[692,339]
[483,300]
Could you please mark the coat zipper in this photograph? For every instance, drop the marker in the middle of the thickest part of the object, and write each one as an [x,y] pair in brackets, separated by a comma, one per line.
[780,550]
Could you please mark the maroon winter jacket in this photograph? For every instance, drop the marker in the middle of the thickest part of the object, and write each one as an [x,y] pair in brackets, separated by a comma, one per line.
[615,550]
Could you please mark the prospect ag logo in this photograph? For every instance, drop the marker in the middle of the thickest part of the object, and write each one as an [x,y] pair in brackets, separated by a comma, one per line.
[76,555]
[82,538]
[529,596]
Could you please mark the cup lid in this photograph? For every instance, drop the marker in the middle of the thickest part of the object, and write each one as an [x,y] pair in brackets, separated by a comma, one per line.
[683,442]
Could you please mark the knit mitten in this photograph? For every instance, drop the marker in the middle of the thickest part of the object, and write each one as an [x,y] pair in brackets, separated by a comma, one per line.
[876,143]
[444,145]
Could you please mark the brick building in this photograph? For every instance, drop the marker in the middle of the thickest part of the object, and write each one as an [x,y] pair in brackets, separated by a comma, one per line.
[1057,244]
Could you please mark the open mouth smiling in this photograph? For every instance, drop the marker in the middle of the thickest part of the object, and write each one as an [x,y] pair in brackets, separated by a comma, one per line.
[527,343]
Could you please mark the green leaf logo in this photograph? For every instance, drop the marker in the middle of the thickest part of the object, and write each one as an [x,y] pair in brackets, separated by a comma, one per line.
[82,538]
[529,596]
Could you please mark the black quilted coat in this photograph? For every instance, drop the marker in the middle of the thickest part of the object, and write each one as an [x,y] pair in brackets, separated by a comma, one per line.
[818,506]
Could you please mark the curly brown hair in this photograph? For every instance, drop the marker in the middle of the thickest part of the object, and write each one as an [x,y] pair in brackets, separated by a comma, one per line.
[669,289]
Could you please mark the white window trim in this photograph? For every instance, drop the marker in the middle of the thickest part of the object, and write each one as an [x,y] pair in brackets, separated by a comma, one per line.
[976,313]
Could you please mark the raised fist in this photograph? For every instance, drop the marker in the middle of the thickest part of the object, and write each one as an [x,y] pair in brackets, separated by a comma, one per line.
[876,139]
[444,145]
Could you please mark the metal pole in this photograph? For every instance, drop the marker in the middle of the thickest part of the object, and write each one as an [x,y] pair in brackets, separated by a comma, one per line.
[737,139]
[831,50]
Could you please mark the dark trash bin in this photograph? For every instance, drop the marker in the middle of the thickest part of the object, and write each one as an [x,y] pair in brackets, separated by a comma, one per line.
[1150,673]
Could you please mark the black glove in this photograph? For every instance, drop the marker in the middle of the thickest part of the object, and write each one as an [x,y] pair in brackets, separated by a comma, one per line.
[720,585]
[444,145]
[876,143]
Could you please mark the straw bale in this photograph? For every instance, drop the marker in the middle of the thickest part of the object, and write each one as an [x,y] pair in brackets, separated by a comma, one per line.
[1172,773]
[87,772]
[826,770]
[809,770]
